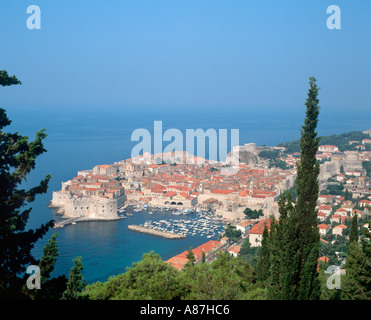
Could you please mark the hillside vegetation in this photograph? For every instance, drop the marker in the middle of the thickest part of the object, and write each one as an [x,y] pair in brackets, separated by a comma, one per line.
[339,140]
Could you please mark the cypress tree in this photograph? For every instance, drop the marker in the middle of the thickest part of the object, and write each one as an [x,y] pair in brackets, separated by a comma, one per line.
[263,265]
[295,240]
[288,231]
[275,264]
[307,190]
[356,284]
[353,235]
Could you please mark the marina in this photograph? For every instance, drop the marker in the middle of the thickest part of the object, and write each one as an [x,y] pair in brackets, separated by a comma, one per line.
[186,222]
[167,222]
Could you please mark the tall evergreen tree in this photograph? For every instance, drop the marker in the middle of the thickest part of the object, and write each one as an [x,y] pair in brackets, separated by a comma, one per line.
[290,247]
[295,240]
[263,265]
[285,258]
[48,259]
[51,288]
[17,159]
[356,285]
[307,189]
[353,235]
[76,282]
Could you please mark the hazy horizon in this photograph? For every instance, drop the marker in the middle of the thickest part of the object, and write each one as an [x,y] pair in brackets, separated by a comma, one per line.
[187,56]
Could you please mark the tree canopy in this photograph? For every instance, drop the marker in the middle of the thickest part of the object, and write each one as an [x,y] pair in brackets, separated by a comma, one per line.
[17,160]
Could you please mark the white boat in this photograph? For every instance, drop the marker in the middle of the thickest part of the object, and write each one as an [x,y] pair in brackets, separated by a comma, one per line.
[177,213]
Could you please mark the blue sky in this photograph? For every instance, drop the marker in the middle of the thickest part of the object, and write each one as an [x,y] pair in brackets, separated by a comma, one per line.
[187,55]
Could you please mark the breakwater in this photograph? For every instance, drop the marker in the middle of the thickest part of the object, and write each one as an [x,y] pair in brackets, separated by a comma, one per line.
[159,233]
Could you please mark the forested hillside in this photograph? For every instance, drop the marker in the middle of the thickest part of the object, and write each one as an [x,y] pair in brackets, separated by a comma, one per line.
[339,140]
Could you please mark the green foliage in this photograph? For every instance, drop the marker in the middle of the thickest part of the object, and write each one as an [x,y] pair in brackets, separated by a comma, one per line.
[191,258]
[149,279]
[51,288]
[292,191]
[347,195]
[227,278]
[367,166]
[356,284]
[329,250]
[263,265]
[49,257]
[308,188]
[248,253]
[17,160]
[293,244]
[231,233]
[253,214]
[278,164]
[6,80]
[269,154]
[76,283]
[335,189]
[353,235]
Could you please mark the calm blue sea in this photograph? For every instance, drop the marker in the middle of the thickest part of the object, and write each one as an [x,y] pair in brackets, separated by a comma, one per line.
[80,139]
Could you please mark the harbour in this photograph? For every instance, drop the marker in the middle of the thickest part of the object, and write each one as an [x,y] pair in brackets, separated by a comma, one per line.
[186,222]
[166,222]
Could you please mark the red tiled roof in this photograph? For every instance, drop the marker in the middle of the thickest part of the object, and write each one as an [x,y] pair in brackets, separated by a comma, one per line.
[323,259]
[170,194]
[323,226]
[221,191]
[244,193]
[341,226]
[259,227]
[180,260]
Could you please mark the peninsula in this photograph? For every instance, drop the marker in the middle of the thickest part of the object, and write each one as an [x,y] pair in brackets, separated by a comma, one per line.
[154,180]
